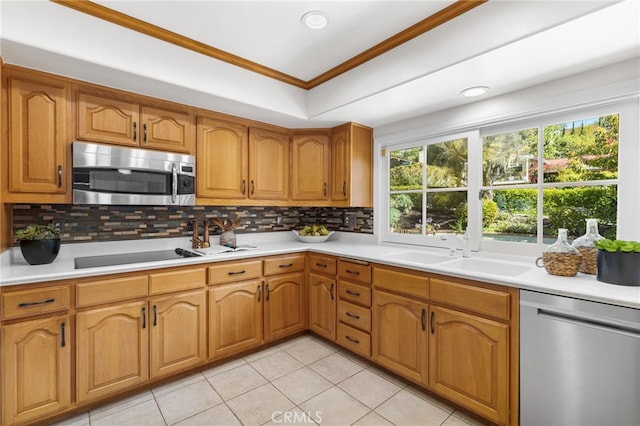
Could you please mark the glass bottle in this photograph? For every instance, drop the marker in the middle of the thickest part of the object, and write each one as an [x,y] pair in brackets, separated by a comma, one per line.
[585,246]
[560,258]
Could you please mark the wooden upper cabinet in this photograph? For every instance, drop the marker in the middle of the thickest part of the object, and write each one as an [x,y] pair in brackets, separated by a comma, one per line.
[124,121]
[223,159]
[268,164]
[352,166]
[310,167]
[38,111]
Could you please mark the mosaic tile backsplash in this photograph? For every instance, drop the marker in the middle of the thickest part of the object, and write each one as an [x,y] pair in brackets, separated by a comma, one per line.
[111,223]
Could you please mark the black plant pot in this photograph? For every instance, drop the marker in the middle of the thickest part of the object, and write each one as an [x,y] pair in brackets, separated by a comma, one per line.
[618,268]
[40,252]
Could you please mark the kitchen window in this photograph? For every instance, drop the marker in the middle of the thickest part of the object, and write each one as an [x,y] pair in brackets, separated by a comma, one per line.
[513,185]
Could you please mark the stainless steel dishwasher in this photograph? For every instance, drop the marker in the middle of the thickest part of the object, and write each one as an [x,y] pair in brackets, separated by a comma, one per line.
[579,362]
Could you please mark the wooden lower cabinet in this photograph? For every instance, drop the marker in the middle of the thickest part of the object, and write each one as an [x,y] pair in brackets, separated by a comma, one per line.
[322,306]
[36,369]
[399,335]
[284,307]
[112,349]
[177,333]
[469,362]
[235,317]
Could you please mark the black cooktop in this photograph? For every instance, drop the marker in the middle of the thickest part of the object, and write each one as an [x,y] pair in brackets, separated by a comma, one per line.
[126,258]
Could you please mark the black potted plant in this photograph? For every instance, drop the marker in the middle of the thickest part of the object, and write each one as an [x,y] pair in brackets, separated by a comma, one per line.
[40,244]
[618,262]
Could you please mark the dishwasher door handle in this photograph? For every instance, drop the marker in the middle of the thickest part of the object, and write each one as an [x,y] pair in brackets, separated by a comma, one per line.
[586,321]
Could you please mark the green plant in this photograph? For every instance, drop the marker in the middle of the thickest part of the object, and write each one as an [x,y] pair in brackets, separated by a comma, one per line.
[613,246]
[38,232]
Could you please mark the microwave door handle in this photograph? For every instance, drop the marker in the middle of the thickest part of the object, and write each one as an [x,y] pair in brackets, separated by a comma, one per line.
[174,183]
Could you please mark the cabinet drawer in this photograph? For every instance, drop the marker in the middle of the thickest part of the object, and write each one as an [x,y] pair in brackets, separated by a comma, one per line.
[185,279]
[111,290]
[398,281]
[234,271]
[482,300]
[354,293]
[354,340]
[284,264]
[356,271]
[24,303]
[355,316]
[322,264]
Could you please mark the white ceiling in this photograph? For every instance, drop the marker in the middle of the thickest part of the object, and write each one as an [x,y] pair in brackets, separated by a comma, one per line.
[506,45]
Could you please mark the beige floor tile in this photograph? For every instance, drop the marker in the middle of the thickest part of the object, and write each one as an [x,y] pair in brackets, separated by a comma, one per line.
[123,404]
[335,368]
[260,405]
[369,388]
[308,350]
[237,381]
[276,364]
[220,415]
[301,384]
[261,354]
[187,401]
[143,414]
[420,393]
[177,384]
[78,420]
[461,419]
[294,416]
[373,419]
[405,408]
[218,369]
[335,407]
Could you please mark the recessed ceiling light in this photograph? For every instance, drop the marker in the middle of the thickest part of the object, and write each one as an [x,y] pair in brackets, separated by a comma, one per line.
[315,20]
[472,92]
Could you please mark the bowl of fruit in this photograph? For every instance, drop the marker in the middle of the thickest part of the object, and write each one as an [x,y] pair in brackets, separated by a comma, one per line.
[313,234]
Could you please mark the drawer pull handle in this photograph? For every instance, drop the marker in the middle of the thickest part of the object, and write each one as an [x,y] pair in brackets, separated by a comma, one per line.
[244,186]
[286,265]
[236,272]
[351,339]
[321,265]
[63,341]
[331,290]
[353,293]
[59,176]
[422,319]
[268,291]
[354,316]
[431,321]
[135,131]
[253,187]
[144,318]
[155,315]
[144,133]
[41,302]
[259,292]
[353,272]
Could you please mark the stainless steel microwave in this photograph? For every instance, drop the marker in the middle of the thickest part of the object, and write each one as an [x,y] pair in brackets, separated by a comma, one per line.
[104,174]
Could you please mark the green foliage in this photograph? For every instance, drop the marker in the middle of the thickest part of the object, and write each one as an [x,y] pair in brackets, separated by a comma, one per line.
[516,200]
[613,246]
[489,212]
[407,177]
[38,232]
[570,207]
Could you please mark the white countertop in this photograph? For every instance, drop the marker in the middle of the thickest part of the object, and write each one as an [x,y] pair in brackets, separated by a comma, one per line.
[14,270]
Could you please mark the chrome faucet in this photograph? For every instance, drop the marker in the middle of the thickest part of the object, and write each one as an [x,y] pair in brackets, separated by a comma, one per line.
[461,242]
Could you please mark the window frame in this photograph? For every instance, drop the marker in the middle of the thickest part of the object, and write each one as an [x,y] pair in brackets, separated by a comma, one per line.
[628,181]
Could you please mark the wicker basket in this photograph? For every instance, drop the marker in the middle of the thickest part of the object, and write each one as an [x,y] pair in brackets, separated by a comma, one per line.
[563,264]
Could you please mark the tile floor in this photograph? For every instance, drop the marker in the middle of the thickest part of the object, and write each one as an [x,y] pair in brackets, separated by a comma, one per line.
[302,381]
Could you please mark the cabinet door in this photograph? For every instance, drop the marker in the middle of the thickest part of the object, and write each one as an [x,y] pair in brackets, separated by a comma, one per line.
[36,369]
[38,137]
[284,308]
[268,165]
[322,306]
[223,159]
[399,335]
[107,120]
[469,362]
[168,130]
[310,167]
[235,318]
[178,332]
[112,349]
[340,164]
